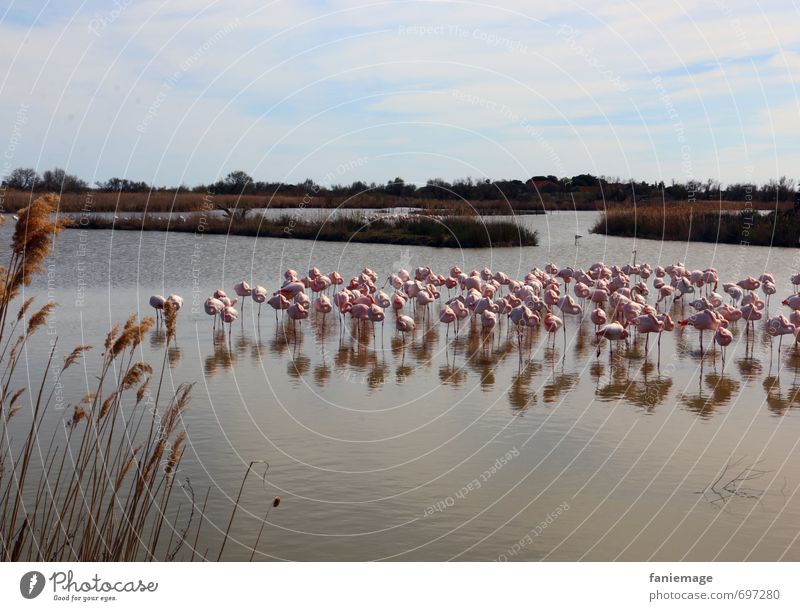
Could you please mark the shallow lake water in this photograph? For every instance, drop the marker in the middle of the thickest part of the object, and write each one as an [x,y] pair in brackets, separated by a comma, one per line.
[432,447]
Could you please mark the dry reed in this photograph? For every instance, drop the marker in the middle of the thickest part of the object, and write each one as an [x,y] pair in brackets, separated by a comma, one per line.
[101,488]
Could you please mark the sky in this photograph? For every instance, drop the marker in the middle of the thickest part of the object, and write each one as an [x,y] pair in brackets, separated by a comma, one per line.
[185,91]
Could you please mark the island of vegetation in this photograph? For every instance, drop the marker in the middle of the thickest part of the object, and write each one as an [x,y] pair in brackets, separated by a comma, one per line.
[416,230]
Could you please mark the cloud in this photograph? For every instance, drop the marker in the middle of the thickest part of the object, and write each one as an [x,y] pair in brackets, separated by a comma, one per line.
[186,90]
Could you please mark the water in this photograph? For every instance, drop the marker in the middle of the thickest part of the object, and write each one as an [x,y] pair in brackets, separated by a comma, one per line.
[441,450]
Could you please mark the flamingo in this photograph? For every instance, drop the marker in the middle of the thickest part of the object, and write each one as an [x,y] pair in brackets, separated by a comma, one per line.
[793,301]
[768,288]
[488,319]
[723,338]
[229,314]
[376,314]
[751,314]
[278,302]
[157,302]
[780,326]
[297,312]
[213,307]
[648,323]
[242,289]
[322,305]
[705,320]
[405,324]
[259,295]
[447,317]
[553,323]
[598,318]
[613,332]
[749,284]
[176,301]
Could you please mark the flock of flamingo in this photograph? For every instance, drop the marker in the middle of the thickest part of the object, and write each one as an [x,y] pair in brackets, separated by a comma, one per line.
[619,297]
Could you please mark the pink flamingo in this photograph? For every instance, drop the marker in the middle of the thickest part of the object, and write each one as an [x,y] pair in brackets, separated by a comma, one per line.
[647,324]
[297,312]
[553,323]
[749,284]
[780,326]
[793,301]
[398,301]
[613,332]
[459,309]
[259,295]
[376,314]
[213,307]
[598,318]
[729,313]
[751,314]
[242,289]
[706,320]
[157,302]
[405,324]
[447,317]
[229,314]
[488,319]
[723,338]
[278,302]
[768,288]
[322,305]
[359,312]
[176,301]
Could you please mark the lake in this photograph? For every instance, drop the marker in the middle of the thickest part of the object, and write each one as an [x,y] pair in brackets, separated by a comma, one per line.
[445,448]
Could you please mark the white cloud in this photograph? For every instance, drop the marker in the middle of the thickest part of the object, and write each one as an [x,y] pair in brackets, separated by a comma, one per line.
[585,66]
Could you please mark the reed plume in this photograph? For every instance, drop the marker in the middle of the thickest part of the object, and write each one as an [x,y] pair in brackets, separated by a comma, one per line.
[101,490]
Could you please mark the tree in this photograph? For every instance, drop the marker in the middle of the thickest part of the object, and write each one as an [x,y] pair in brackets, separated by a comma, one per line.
[58,180]
[238,181]
[22,178]
[778,190]
[395,187]
[123,185]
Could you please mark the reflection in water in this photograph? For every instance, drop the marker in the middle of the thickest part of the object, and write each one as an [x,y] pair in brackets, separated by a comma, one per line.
[533,371]
[779,402]
[646,387]
[713,391]
[522,392]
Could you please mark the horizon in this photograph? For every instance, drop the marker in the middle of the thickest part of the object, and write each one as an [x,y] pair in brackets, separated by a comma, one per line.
[434,181]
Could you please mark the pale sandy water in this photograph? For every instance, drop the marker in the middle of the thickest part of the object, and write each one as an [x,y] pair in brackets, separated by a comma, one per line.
[375,448]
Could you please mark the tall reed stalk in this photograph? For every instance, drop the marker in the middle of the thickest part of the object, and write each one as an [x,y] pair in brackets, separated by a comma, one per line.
[102,485]
[100,488]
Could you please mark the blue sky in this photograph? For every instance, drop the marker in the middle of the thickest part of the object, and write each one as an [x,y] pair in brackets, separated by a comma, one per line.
[184,91]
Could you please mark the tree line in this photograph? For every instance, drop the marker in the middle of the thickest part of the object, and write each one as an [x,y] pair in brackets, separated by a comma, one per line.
[607,188]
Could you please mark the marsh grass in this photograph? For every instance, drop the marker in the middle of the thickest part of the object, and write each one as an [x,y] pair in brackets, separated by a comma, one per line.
[189,201]
[780,228]
[421,230]
[103,485]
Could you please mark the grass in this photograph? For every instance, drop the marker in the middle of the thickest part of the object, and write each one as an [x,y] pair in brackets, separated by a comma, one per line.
[103,485]
[170,200]
[781,228]
[186,201]
[419,230]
